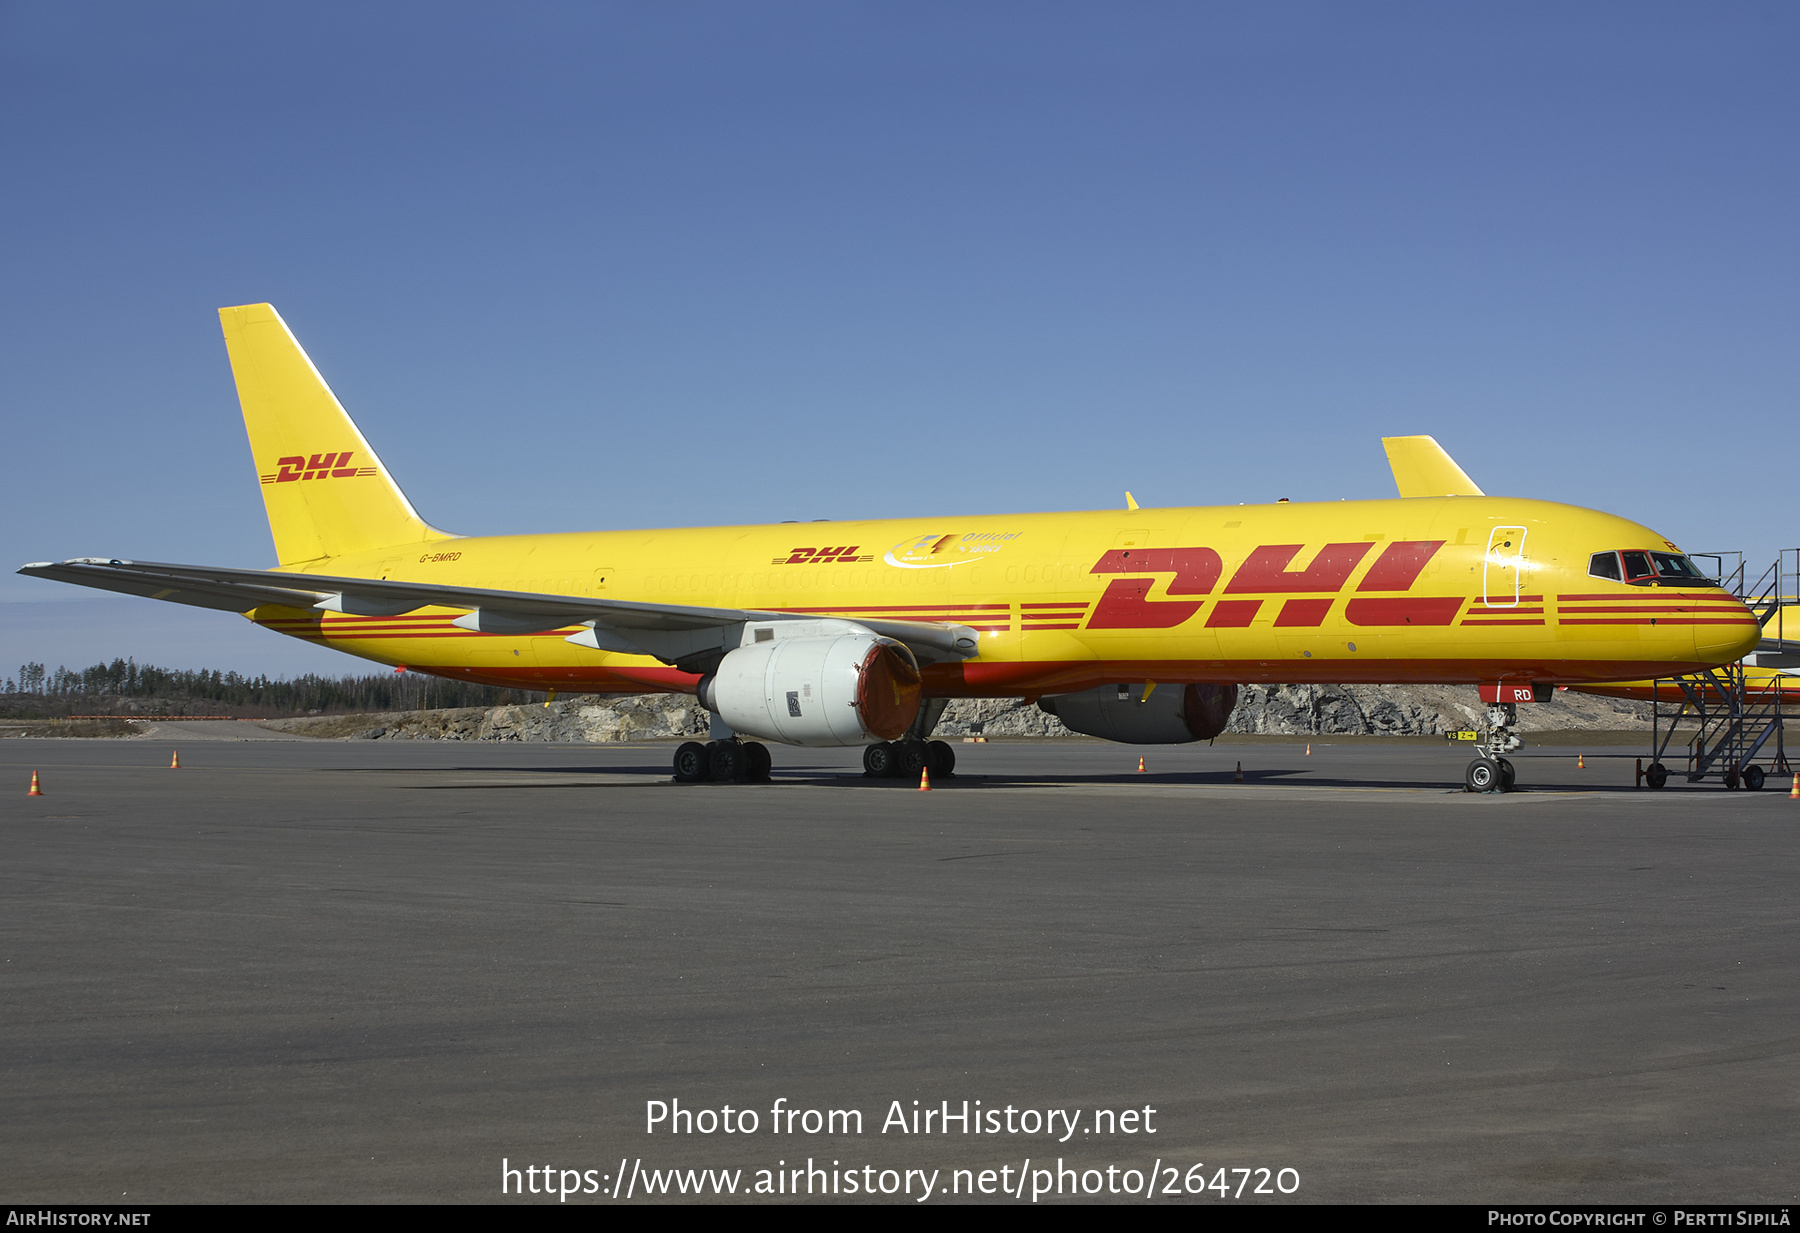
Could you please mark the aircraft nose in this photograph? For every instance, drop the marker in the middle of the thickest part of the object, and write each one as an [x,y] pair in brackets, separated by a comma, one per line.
[1720,641]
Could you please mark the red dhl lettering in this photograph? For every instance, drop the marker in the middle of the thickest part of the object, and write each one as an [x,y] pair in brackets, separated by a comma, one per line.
[1399,565]
[1126,602]
[318,466]
[1233,614]
[1424,610]
[822,556]
[1303,613]
[1266,571]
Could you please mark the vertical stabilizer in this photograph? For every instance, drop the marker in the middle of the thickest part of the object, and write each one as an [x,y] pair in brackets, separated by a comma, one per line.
[1422,469]
[325,491]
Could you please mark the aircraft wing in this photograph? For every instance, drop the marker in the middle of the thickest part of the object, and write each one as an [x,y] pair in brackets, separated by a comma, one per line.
[690,637]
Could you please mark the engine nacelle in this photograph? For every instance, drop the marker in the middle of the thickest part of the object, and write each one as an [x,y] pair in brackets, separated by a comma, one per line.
[1174,715]
[831,688]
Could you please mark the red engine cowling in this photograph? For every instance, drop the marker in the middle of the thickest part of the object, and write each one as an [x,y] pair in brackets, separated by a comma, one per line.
[1173,715]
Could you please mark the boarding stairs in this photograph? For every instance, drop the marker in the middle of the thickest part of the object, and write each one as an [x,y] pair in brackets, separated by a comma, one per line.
[1734,712]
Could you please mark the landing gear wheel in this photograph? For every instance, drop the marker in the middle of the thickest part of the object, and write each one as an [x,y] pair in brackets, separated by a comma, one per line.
[1753,778]
[757,756]
[691,763]
[1508,776]
[1656,775]
[1483,775]
[941,758]
[914,757]
[727,762]
[881,760]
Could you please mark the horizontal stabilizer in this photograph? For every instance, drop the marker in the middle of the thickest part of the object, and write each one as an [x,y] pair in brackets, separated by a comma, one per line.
[1422,469]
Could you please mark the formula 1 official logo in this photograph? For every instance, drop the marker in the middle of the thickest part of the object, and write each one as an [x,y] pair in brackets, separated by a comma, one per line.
[319,466]
[937,551]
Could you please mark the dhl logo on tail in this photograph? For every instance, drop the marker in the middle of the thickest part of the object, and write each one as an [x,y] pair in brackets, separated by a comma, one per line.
[319,466]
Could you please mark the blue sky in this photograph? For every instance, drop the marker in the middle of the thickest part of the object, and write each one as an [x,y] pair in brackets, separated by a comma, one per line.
[594,266]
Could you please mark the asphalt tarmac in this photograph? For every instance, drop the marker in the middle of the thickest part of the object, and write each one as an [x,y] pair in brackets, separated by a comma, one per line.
[360,971]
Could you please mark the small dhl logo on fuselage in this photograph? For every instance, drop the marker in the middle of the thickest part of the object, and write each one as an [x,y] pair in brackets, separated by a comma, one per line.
[319,466]
[823,556]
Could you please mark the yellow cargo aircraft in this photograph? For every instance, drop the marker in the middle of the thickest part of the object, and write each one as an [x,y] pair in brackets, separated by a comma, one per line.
[1136,625]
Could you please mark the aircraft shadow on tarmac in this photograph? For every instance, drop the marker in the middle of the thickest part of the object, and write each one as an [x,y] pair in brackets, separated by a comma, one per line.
[832,777]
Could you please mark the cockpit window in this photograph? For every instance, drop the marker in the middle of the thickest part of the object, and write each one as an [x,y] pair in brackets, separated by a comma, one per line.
[1645,568]
[1668,565]
[1604,565]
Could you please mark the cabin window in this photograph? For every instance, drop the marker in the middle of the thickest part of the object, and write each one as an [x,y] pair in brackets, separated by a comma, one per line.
[1604,565]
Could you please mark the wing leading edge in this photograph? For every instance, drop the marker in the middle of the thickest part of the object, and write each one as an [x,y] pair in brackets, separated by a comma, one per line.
[690,638]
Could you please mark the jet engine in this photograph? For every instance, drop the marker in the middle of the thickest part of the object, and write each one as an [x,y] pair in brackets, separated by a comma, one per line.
[837,689]
[1172,715]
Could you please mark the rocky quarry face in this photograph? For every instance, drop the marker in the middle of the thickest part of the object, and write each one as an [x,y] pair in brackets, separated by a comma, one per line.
[1294,710]
[1414,710]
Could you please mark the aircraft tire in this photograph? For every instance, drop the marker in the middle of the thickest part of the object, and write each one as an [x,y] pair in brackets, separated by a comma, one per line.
[1508,776]
[1753,778]
[1483,775]
[726,761]
[757,755]
[941,758]
[692,764]
[914,758]
[1656,775]
[881,760]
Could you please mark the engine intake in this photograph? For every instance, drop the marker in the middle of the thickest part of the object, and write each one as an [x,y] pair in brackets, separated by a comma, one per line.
[1173,715]
[831,688]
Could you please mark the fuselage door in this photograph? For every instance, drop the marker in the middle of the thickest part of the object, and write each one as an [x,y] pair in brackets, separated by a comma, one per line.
[1501,570]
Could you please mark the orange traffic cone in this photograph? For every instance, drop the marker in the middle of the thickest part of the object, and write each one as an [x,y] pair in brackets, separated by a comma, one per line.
[175,761]
[1581,762]
[925,780]
[1792,796]
[35,790]
[1140,766]
[1309,749]
[1239,777]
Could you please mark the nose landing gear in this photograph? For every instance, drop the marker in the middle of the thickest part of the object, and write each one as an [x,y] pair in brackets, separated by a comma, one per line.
[1490,775]
[1491,772]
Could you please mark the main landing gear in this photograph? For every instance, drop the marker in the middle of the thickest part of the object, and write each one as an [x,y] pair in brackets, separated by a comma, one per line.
[908,759]
[722,762]
[1491,772]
